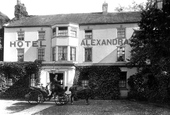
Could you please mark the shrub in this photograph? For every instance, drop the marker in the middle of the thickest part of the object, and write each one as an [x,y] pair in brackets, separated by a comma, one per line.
[147,86]
[20,72]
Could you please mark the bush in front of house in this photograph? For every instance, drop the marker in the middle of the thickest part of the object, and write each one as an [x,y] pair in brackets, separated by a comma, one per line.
[103,80]
[20,73]
[145,86]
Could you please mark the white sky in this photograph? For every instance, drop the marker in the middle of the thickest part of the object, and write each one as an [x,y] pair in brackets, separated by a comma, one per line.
[47,7]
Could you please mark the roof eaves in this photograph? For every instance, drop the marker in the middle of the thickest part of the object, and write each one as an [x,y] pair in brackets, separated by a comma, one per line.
[30,26]
[109,23]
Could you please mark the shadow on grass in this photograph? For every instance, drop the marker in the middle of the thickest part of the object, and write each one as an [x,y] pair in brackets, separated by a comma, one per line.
[19,106]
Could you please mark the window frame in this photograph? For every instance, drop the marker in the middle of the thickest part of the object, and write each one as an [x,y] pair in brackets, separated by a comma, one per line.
[121,30]
[62,53]
[54,53]
[21,35]
[84,83]
[73,32]
[41,37]
[62,32]
[91,53]
[123,54]
[73,54]
[21,53]
[123,80]
[54,32]
[88,34]
[39,56]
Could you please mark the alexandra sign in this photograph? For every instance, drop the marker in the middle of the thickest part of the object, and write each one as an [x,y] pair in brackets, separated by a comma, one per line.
[102,42]
[27,44]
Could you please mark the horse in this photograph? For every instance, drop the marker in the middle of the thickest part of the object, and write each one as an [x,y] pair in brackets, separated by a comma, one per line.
[80,92]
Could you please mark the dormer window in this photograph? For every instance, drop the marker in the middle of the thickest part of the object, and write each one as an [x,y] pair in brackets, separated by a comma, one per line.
[62,31]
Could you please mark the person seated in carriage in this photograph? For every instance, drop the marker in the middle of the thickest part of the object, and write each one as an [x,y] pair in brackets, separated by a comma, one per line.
[56,87]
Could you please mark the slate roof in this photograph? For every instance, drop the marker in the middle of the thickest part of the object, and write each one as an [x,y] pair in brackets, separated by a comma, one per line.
[78,18]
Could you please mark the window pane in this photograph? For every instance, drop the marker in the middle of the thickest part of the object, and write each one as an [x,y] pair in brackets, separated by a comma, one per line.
[73,32]
[122,81]
[62,31]
[88,54]
[20,55]
[121,32]
[54,31]
[88,34]
[62,53]
[21,35]
[73,53]
[41,53]
[54,54]
[41,34]
[120,54]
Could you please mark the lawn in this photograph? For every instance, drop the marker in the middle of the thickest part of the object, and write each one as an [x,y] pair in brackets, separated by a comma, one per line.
[107,107]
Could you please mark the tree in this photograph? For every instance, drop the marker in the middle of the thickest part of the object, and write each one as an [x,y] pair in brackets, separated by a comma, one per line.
[151,41]
[134,7]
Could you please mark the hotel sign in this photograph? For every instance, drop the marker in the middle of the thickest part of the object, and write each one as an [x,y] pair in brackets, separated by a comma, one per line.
[21,43]
[104,42]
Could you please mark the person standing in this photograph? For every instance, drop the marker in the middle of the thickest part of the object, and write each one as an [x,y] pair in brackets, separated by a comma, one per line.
[73,90]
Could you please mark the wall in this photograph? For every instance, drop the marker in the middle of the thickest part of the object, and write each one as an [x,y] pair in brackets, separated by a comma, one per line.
[104,53]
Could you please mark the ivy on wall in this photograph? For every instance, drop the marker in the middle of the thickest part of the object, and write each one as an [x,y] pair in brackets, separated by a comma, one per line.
[103,80]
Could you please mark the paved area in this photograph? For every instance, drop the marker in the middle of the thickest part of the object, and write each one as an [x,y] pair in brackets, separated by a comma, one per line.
[96,107]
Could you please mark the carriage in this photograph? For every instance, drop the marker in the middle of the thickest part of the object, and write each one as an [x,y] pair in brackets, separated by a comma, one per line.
[39,94]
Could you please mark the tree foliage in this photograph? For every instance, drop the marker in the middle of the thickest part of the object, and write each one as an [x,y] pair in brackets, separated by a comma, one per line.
[151,50]
[151,41]
[20,73]
[134,7]
[19,69]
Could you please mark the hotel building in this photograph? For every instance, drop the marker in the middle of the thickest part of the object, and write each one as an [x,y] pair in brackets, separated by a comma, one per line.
[64,41]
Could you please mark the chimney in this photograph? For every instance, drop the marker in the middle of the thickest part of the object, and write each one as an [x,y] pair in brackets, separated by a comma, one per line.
[18,2]
[104,7]
[20,10]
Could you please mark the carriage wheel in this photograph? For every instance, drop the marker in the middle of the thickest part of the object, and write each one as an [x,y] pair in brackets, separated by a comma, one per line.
[35,97]
[63,100]
[67,96]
